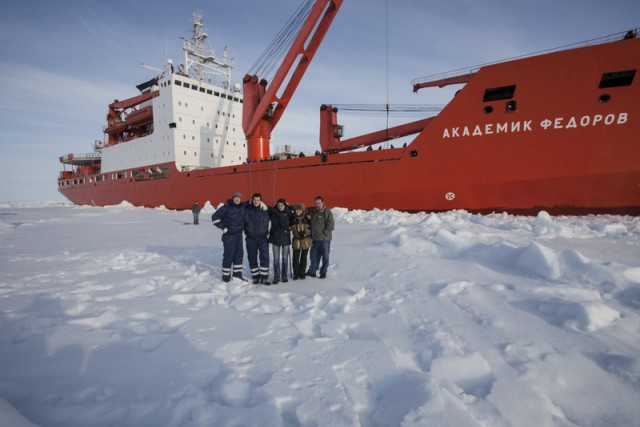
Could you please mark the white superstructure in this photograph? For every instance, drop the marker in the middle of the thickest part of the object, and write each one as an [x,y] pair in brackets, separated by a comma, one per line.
[197,115]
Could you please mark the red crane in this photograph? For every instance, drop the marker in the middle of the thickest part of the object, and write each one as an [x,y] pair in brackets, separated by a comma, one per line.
[263,107]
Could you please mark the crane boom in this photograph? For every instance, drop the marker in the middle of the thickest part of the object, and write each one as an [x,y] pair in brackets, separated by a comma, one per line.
[263,108]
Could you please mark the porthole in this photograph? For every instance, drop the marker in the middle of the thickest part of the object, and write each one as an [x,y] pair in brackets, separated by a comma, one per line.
[604,98]
[488,109]
[413,153]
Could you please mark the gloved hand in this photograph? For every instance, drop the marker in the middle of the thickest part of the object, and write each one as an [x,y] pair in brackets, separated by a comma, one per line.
[224,230]
[263,206]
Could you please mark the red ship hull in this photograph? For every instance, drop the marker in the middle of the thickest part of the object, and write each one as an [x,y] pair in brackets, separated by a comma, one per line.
[561,142]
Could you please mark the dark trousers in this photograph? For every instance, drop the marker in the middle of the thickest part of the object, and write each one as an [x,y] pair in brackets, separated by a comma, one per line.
[300,262]
[258,254]
[232,255]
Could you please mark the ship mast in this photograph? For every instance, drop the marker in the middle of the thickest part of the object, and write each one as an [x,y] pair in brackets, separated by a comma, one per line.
[199,59]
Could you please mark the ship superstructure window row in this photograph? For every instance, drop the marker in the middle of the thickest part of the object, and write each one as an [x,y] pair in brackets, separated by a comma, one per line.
[208,91]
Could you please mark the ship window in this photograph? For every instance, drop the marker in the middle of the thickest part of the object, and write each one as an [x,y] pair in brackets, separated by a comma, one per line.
[202,89]
[209,91]
[194,87]
[617,79]
[216,93]
[178,83]
[186,85]
[498,93]
[172,125]
[185,152]
[223,96]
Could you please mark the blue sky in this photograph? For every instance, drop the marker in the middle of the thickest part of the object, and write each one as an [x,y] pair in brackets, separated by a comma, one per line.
[62,62]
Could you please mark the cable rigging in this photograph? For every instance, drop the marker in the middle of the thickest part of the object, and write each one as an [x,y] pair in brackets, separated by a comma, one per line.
[268,62]
[399,110]
[386,38]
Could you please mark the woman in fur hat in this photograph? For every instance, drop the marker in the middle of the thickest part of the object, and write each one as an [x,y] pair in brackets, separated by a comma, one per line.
[301,241]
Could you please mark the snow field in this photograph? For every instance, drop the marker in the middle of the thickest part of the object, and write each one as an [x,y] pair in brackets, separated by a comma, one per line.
[117,316]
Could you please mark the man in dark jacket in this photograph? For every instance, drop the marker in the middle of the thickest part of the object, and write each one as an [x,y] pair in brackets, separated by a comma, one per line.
[195,209]
[230,219]
[280,239]
[256,230]
[322,226]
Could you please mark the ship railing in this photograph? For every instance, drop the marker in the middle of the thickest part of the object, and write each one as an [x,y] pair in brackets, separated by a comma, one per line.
[80,159]
[292,150]
[460,75]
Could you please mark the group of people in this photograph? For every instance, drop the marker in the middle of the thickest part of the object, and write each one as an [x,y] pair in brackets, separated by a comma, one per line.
[305,230]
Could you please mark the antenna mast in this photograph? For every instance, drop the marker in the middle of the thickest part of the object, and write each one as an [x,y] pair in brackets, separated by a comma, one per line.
[199,59]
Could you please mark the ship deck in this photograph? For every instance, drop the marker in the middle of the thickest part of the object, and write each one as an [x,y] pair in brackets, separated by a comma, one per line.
[462,75]
[86,159]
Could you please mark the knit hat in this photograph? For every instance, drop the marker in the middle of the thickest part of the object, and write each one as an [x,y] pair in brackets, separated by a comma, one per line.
[300,206]
[236,194]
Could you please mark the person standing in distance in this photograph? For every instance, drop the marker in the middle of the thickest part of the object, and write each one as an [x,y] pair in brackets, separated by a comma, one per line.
[322,225]
[256,230]
[230,219]
[195,209]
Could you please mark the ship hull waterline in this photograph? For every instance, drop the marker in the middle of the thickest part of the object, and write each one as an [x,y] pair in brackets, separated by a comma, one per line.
[300,180]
